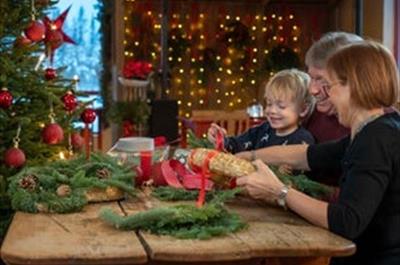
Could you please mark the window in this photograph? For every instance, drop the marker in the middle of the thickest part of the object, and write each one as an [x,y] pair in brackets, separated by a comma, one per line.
[84,58]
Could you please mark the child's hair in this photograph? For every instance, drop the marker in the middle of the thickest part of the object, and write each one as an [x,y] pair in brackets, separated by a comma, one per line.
[291,84]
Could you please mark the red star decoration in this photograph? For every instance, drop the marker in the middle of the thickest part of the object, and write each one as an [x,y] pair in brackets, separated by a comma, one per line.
[54,35]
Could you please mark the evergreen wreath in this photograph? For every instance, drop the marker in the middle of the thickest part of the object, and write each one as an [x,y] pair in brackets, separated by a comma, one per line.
[281,57]
[182,221]
[61,186]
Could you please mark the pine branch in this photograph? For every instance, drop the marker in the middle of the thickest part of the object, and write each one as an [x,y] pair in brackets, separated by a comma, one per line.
[181,221]
[196,142]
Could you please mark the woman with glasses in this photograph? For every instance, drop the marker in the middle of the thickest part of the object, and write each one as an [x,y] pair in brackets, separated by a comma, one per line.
[362,79]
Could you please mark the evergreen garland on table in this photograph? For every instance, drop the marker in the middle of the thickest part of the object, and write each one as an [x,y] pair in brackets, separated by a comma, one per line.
[304,184]
[182,221]
[168,193]
[60,187]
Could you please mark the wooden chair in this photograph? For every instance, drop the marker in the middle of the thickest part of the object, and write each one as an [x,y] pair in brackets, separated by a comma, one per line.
[235,122]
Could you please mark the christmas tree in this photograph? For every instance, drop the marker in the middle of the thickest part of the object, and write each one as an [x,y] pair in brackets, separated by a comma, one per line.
[37,104]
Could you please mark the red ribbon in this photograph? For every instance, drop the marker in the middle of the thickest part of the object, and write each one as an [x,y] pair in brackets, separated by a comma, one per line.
[219,141]
[205,173]
[145,164]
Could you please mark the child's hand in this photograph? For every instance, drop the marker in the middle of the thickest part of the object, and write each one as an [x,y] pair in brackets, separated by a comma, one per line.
[213,131]
[244,155]
[285,169]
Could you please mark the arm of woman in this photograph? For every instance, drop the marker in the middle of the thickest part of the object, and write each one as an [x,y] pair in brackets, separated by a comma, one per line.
[293,155]
[264,185]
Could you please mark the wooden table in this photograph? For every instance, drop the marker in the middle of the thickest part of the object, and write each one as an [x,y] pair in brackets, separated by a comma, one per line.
[273,237]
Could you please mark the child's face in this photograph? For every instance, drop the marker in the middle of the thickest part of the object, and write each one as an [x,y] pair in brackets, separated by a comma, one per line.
[282,114]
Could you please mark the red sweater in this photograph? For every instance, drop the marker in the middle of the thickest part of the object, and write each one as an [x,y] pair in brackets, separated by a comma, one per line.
[325,128]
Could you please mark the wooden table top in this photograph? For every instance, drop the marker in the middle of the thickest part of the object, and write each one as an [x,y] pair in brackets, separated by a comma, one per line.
[81,238]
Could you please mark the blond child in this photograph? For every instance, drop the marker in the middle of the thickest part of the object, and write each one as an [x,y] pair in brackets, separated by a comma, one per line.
[287,103]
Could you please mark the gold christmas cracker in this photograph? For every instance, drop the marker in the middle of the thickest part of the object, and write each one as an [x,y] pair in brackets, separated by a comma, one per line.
[221,163]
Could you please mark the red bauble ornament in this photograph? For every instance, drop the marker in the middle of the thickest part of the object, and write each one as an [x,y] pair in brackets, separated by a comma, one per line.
[5,98]
[52,134]
[35,31]
[69,101]
[50,73]
[14,157]
[22,41]
[77,140]
[88,115]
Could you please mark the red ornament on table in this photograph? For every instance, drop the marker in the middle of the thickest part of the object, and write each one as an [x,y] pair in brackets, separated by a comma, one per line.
[5,98]
[14,157]
[53,134]
[50,73]
[35,31]
[69,100]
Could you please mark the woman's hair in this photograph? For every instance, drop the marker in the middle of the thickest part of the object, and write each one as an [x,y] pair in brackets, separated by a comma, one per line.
[292,84]
[318,54]
[370,70]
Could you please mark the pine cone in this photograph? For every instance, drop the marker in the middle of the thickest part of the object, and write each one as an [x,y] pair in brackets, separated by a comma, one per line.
[29,183]
[63,190]
[103,173]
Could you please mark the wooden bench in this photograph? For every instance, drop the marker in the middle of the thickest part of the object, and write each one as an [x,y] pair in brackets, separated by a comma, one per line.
[273,237]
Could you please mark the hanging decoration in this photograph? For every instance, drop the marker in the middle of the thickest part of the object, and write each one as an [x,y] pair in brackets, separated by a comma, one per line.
[55,36]
[15,157]
[88,116]
[216,54]
[36,30]
[5,98]
[235,34]
[53,133]
[76,140]
[50,74]
[281,57]
[70,101]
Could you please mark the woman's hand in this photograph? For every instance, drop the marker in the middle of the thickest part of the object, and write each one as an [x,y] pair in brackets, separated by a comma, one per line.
[262,184]
[244,155]
[213,131]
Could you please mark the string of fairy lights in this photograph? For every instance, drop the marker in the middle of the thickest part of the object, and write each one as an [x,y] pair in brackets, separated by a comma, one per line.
[217,60]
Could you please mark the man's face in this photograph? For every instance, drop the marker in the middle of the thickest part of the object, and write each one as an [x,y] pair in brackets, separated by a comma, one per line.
[317,89]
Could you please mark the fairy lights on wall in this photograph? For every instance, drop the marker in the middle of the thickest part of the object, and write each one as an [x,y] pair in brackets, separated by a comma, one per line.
[218,57]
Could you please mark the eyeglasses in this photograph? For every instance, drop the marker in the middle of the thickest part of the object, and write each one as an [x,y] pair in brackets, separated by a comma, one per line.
[327,87]
[323,84]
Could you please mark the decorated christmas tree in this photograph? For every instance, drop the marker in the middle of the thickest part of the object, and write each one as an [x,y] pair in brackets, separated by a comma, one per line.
[37,104]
